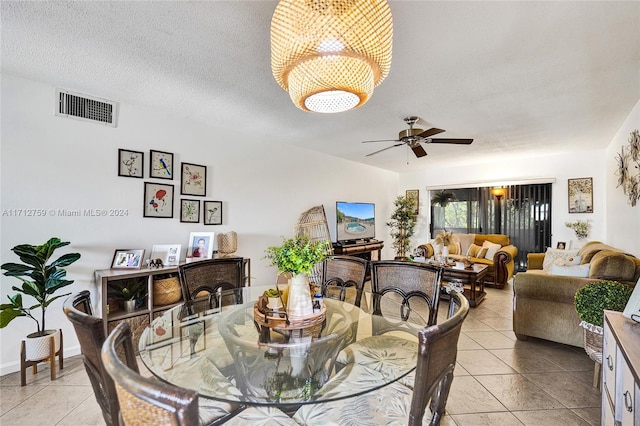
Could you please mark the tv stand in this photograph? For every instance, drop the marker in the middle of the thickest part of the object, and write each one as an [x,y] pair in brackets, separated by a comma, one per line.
[361,249]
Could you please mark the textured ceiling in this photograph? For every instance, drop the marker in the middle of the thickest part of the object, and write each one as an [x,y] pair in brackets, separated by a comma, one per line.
[515,76]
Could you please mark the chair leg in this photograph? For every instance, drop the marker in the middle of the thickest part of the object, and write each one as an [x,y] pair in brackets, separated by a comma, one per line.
[52,357]
[61,352]
[439,400]
[23,365]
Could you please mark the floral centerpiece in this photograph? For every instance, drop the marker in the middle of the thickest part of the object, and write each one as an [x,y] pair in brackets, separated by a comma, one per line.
[580,227]
[297,256]
[444,239]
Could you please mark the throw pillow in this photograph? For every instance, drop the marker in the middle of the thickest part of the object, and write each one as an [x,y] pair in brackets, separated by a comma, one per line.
[552,254]
[473,250]
[568,261]
[581,271]
[492,249]
[612,265]
[454,248]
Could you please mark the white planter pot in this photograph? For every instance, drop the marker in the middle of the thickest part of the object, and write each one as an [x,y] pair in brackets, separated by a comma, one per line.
[299,303]
[39,347]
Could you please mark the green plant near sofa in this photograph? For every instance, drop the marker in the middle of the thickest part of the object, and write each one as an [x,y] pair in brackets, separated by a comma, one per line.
[594,298]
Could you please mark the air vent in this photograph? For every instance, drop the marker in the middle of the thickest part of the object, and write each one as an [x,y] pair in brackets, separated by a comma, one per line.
[84,107]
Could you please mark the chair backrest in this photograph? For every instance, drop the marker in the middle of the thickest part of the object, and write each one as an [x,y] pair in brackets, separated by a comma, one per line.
[211,275]
[90,332]
[408,281]
[145,401]
[437,353]
[342,272]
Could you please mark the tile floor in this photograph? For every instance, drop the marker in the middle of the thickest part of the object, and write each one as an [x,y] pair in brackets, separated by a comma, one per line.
[498,380]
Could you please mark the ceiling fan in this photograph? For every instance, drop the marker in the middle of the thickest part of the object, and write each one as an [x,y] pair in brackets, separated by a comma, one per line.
[414,137]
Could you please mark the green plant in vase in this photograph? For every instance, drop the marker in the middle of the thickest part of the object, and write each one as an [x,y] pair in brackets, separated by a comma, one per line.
[402,224]
[129,291]
[296,257]
[40,280]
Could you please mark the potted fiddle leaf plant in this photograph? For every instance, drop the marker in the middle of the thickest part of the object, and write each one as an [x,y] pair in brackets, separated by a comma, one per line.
[402,224]
[297,256]
[40,281]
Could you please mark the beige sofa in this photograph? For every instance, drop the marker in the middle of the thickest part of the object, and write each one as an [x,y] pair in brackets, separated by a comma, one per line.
[501,267]
[543,304]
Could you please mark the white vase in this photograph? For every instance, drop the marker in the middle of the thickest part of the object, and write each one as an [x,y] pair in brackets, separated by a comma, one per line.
[445,252]
[39,347]
[299,301]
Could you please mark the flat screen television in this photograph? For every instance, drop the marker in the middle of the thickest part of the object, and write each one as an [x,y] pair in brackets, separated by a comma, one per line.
[355,221]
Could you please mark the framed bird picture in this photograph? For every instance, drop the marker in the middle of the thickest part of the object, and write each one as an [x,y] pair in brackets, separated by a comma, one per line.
[161,165]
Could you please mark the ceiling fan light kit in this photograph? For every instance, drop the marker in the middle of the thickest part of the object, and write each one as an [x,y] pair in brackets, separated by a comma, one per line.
[330,54]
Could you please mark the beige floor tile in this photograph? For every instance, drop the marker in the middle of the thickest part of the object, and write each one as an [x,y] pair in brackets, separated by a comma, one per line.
[479,419]
[566,388]
[482,362]
[88,413]
[460,371]
[467,395]
[12,396]
[562,417]
[491,339]
[566,357]
[466,343]
[525,360]
[517,393]
[590,415]
[59,401]
[471,324]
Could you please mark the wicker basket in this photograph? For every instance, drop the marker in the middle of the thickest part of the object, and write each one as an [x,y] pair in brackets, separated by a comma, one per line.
[593,343]
[166,291]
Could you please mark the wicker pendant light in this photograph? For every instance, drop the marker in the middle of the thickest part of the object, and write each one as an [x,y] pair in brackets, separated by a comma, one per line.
[330,54]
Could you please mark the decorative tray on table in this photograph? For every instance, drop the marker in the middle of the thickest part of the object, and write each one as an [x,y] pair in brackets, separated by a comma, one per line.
[281,320]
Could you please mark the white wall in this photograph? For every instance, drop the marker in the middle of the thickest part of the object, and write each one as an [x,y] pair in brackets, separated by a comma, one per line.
[561,167]
[55,163]
[623,220]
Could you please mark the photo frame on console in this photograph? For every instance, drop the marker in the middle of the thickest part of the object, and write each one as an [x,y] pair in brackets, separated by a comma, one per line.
[168,253]
[580,195]
[127,259]
[200,246]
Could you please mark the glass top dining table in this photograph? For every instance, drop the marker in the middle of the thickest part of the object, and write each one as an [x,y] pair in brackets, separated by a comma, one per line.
[234,354]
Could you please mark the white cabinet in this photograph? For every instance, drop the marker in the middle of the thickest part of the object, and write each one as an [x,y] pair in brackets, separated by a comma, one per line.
[620,371]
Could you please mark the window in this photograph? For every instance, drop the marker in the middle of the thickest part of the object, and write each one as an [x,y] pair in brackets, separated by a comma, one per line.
[523,213]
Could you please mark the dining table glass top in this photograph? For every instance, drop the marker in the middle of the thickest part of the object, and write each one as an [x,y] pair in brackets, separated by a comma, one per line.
[234,354]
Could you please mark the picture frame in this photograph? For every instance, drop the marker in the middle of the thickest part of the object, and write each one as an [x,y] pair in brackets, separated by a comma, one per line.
[561,245]
[127,259]
[160,164]
[415,194]
[200,245]
[194,334]
[580,195]
[158,200]
[189,210]
[130,163]
[213,212]
[168,253]
[193,179]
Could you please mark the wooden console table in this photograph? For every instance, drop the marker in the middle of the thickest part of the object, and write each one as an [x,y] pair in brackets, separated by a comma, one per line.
[363,250]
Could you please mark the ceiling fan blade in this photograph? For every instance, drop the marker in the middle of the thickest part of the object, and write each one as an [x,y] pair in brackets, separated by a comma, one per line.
[383,140]
[384,149]
[430,132]
[456,141]
[419,151]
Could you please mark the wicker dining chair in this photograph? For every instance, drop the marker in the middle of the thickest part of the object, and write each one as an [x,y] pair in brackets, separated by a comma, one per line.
[406,284]
[90,332]
[144,401]
[435,361]
[210,276]
[340,273]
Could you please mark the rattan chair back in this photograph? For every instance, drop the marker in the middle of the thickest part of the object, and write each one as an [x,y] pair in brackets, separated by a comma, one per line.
[145,401]
[339,273]
[408,282]
[437,353]
[211,276]
[90,332]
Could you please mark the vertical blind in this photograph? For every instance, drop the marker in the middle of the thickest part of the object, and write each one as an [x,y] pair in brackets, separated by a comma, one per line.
[523,213]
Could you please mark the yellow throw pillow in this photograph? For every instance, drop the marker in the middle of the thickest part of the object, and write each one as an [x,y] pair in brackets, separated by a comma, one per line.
[476,251]
[492,249]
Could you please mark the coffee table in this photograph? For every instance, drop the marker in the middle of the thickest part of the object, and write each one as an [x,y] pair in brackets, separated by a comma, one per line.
[472,277]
